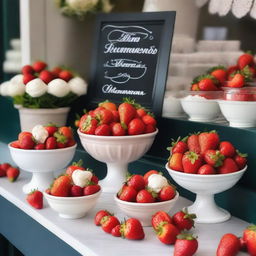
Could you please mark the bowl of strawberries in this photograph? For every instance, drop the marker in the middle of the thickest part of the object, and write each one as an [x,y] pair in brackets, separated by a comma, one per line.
[117,135]
[204,165]
[74,193]
[142,196]
[44,150]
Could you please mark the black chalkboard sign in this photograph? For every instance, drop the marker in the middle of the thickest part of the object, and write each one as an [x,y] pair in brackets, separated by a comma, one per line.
[131,57]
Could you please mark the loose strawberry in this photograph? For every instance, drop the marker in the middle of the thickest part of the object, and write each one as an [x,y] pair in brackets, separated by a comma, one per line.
[243,246]
[108,105]
[240,159]
[136,181]
[99,215]
[127,193]
[229,166]
[118,130]
[191,162]
[229,245]
[61,186]
[167,233]
[207,84]
[65,75]
[15,144]
[249,236]
[5,166]
[149,119]
[179,146]
[213,157]
[237,81]
[35,199]
[144,196]
[46,76]
[132,229]
[27,69]
[12,173]
[2,172]
[185,245]
[91,189]
[108,223]
[126,112]
[51,129]
[103,130]
[147,174]
[38,66]
[206,169]
[40,146]
[116,231]
[136,126]
[26,140]
[193,143]
[175,162]
[160,217]
[244,60]
[183,219]
[76,191]
[51,143]
[208,140]
[227,149]
[167,193]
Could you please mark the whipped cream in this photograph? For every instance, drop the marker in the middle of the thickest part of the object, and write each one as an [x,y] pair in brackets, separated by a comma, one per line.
[39,133]
[81,178]
[156,182]
[58,88]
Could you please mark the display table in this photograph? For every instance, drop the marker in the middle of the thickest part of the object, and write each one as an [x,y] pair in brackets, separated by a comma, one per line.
[42,232]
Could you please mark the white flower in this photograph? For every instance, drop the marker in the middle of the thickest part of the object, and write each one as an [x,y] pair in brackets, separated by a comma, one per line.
[58,88]
[39,133]
[36,88]
[18,79]
[15,89]
[81,178]
[4,88]
[78,86]
[81,5]
[156,182]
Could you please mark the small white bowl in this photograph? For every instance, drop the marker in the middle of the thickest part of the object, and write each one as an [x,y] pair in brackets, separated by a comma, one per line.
[239,114]
[144,211]
[72,207]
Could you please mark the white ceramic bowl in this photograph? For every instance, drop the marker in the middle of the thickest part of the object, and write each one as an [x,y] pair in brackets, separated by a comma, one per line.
[145,211]
[41,163]
[116,152]
[205,186]
[72,207]
[239,113]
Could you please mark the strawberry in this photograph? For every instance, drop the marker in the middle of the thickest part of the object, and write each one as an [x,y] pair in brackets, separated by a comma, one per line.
[229,245]
[183,220]
[136,126]
[74,166]
[12,173]
[193,143]
[27,78]
[244,60]
[237,81]
[27,69]
[150,128]
[26,140]
[108,223]
[141,112]
[65,75]
[229,166]
[243,246]
[220,74]
[147,174]
[160,217]
[175,162]
[116,231]
[185,245]
[103,130]
[56,71]
[104,116]
[167,233]
[5,166]
[191,162]
[61,186]
[2,172]
[207,84]
[94,180]
[35,199]
[144,196]
[240,159]
[149,119]
[213,157]
[76,191]
[194,87]
[167,193]
[51,143]
[108,105]
[132,229]
[61,139]
[127,193]
[136,181]
[116,117]
[40,146]
[99,215]
[88,125]
[208,140]
[66,131]
[126,112]
[206,169]
[51,129]
[232,69]
[91,189]
[249,236]
[179,146]
[46,76]
[118,130]
[227,149]
[15,144]
[38,66]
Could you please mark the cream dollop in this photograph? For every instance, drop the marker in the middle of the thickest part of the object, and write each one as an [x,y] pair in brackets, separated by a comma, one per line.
[81,178]
[78,86]
[58,88]
[156,182]
[39,133]
[36,88]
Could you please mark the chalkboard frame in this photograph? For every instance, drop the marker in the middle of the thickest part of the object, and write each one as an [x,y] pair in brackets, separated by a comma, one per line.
[167,20]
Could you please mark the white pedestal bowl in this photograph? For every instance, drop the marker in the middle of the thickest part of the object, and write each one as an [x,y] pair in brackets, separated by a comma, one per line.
[205,186]
[41,163]
[116,152]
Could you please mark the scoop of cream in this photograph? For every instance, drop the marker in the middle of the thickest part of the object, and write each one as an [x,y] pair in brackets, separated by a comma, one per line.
[40,133]
[81,178]
[156,182]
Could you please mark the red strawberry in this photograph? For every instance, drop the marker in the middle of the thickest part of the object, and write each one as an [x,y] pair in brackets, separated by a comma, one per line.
[183,220]
[194,87]
[66,131]
[116,117]
[167,233]
[35,199]
[229,166]
[227,149]
[220,74]
[51,143]
[149,119]
[88,125]
[132,229]
[108,223]
[213,157]
[136,181]
[150,128]
[179,146]
[147,174]
[61,186]
[76,191]
[136,126]
[249,236]
[46,76]
[193,143]
[56,71]
[51,129]
[12,173]
[27,78]
[99,215]
[175,162]
[191,162]
[144,196]
[27,69]
[104,116]
[207,84]
[40,146]
[240,159]
[2,172]
[126,112]
[206,169]
[244,60]
[243,246]
[94,180]
[237,81]
[108,105]
[91,189]
[167,193]
[141,112]
[116,231]
[65,75]
[62,140]
[15,144]
[26,140]
[208,140]
[232,69]
[38,66]
[5,166]
[229,245]
[127,193]
[160,217]
[185,245]
[103,130]
[118,130]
